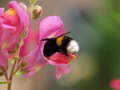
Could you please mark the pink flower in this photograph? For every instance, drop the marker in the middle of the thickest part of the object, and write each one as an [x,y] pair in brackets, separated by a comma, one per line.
[3,61]
[61,63]
[12,23]
[49,27]
[115,83]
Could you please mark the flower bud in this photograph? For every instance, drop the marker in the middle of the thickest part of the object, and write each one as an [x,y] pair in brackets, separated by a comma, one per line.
[37,10]
[2,70]
[23,6]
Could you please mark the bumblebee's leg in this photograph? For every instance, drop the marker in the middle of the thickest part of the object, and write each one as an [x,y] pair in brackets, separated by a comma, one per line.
[64,51]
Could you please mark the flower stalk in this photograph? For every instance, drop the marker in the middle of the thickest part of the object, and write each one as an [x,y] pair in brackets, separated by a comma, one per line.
[11,76]
[16,58]
[15,66]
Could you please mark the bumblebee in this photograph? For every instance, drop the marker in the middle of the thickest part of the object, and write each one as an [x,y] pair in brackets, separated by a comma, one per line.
[62,44]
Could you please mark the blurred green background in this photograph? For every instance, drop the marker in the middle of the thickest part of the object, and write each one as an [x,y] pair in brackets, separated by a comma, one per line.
[95,24]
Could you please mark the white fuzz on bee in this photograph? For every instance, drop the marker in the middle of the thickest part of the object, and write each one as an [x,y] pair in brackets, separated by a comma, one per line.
[73,46]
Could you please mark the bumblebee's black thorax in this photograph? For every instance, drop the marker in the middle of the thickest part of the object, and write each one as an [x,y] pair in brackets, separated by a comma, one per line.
[52,46]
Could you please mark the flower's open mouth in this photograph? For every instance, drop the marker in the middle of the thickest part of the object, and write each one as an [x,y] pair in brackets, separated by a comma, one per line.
[69,57]
[60,58]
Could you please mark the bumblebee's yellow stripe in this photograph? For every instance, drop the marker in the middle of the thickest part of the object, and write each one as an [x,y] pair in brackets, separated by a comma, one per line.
[59,40]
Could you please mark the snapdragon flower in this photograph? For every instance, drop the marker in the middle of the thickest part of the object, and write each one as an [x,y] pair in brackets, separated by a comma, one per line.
[12,23]
[49,27]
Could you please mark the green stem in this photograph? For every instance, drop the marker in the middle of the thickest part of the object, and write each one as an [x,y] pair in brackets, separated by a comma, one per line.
[11,76]
[16,57]
[6,76]
[9,86]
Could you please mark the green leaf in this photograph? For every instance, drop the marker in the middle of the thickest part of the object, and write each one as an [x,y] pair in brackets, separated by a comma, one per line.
[11,61]
[33,1]
[2,70]
[11,52]
[23,64]
[4,82]
[16,57]
[21,72]
[23,34]
[1,74]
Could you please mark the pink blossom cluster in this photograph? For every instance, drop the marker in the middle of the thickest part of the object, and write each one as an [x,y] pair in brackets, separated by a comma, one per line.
[13,23]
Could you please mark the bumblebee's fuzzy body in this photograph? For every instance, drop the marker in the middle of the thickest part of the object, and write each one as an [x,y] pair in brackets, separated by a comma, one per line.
[62,44]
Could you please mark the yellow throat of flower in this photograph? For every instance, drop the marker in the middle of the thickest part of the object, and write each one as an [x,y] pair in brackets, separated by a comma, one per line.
[10,12]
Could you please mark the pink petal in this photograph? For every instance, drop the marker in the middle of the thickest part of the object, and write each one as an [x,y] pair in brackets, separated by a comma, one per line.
[59,58]
[58,72]
[60,32]
[49,26]
[8,27]
[23,15]
[1,11]
[35,61]
[115,83]
[10,40]
[3,60]
[62,69]
[32,72]
[3,57]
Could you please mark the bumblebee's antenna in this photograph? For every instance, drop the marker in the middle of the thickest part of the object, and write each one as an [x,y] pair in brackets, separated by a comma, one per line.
[64,34]
[45,39]
[57,37]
